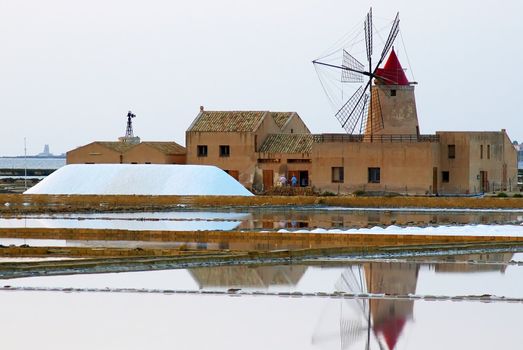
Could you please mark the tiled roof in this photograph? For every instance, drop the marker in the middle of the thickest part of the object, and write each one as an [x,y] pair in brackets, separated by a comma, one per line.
[280,118]
[166,147]
[228,121]
[287,143]
[117,146]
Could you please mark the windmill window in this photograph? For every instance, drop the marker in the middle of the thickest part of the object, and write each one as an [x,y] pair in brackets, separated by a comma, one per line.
[488,151]
[452,151]
[201,150]
[374,175]
[393,92]
[445,176]
[225,150]
[337,175]
[480,151]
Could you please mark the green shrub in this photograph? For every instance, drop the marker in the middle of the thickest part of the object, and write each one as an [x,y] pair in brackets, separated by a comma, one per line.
[502,194]
[359,193]
[518,195]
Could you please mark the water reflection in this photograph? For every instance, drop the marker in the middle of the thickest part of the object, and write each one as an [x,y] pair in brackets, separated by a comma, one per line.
[295,219]
[248,277]
[172,221]
[264,219]
[364,323]
[367,322]
[380,322]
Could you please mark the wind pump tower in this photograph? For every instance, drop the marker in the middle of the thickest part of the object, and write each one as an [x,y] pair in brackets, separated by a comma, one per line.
[129,130]
[129,134]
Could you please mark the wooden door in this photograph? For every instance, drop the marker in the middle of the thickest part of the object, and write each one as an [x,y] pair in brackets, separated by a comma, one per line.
[268,179]
[483,175]
[434,180]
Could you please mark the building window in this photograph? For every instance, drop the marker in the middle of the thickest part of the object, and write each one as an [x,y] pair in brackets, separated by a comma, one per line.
[374,175]
[225,150]
[445,176]
[201,150]
[393,92]
[488,151]
[480,151]
[452,151]
[337,175]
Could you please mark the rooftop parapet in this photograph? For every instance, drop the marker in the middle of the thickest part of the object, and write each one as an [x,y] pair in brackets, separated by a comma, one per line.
[322,138]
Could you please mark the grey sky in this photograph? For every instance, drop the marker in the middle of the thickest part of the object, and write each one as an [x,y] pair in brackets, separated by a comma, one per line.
[70,70]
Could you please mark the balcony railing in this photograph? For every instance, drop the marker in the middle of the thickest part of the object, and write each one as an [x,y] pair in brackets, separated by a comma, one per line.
[321,138]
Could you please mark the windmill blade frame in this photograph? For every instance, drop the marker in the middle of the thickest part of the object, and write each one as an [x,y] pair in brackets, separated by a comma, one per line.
[394,30]
[363,109]
[351,69]
[355,106]
[367,26]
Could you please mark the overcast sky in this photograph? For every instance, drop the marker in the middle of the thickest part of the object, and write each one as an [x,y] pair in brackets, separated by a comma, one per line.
[70,70]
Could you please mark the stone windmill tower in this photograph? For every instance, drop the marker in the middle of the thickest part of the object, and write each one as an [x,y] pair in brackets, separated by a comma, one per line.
[396,107]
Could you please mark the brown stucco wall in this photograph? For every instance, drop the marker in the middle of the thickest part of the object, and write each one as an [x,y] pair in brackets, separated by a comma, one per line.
[405,167]
[144,153]
[466,167]
[295,126]
[92,153]
[282,166]
[397,112]
[242,153]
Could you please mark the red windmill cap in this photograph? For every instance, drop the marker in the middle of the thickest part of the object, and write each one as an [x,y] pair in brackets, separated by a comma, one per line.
[391,331]
[392,73]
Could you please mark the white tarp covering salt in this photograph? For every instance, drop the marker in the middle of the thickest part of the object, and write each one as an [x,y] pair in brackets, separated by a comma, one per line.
[140,179]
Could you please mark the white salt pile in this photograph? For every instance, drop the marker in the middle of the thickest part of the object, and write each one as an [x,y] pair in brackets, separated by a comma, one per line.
[465,230]
[140,179]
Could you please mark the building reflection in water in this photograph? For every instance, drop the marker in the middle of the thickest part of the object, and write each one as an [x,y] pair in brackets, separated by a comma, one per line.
[359,323]
[378,323]
[267,219]
[247,277]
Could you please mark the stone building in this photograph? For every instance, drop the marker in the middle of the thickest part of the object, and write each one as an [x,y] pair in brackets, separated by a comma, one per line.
[257,148]
[231,140]
[119,152]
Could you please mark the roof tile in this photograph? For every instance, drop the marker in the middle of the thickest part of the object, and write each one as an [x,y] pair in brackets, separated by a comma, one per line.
[227,121]
[287,143]
[166,147]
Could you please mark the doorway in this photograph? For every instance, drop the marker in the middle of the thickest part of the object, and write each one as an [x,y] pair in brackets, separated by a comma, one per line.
[268,179]
[435,180]
[483,181]
[304,178]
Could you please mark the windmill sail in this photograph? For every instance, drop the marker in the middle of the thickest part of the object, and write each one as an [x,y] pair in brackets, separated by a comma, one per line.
[361,113]
[350,75]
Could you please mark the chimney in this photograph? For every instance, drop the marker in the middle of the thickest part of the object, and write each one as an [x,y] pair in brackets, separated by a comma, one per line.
[201,108]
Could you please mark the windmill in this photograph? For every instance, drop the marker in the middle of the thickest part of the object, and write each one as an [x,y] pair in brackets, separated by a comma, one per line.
[129,134]
[129,130]
[361,113]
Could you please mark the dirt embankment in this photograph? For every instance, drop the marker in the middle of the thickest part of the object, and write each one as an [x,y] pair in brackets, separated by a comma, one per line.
[19,203]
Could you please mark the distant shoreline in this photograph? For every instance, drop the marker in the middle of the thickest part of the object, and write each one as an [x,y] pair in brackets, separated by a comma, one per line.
[36,157]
